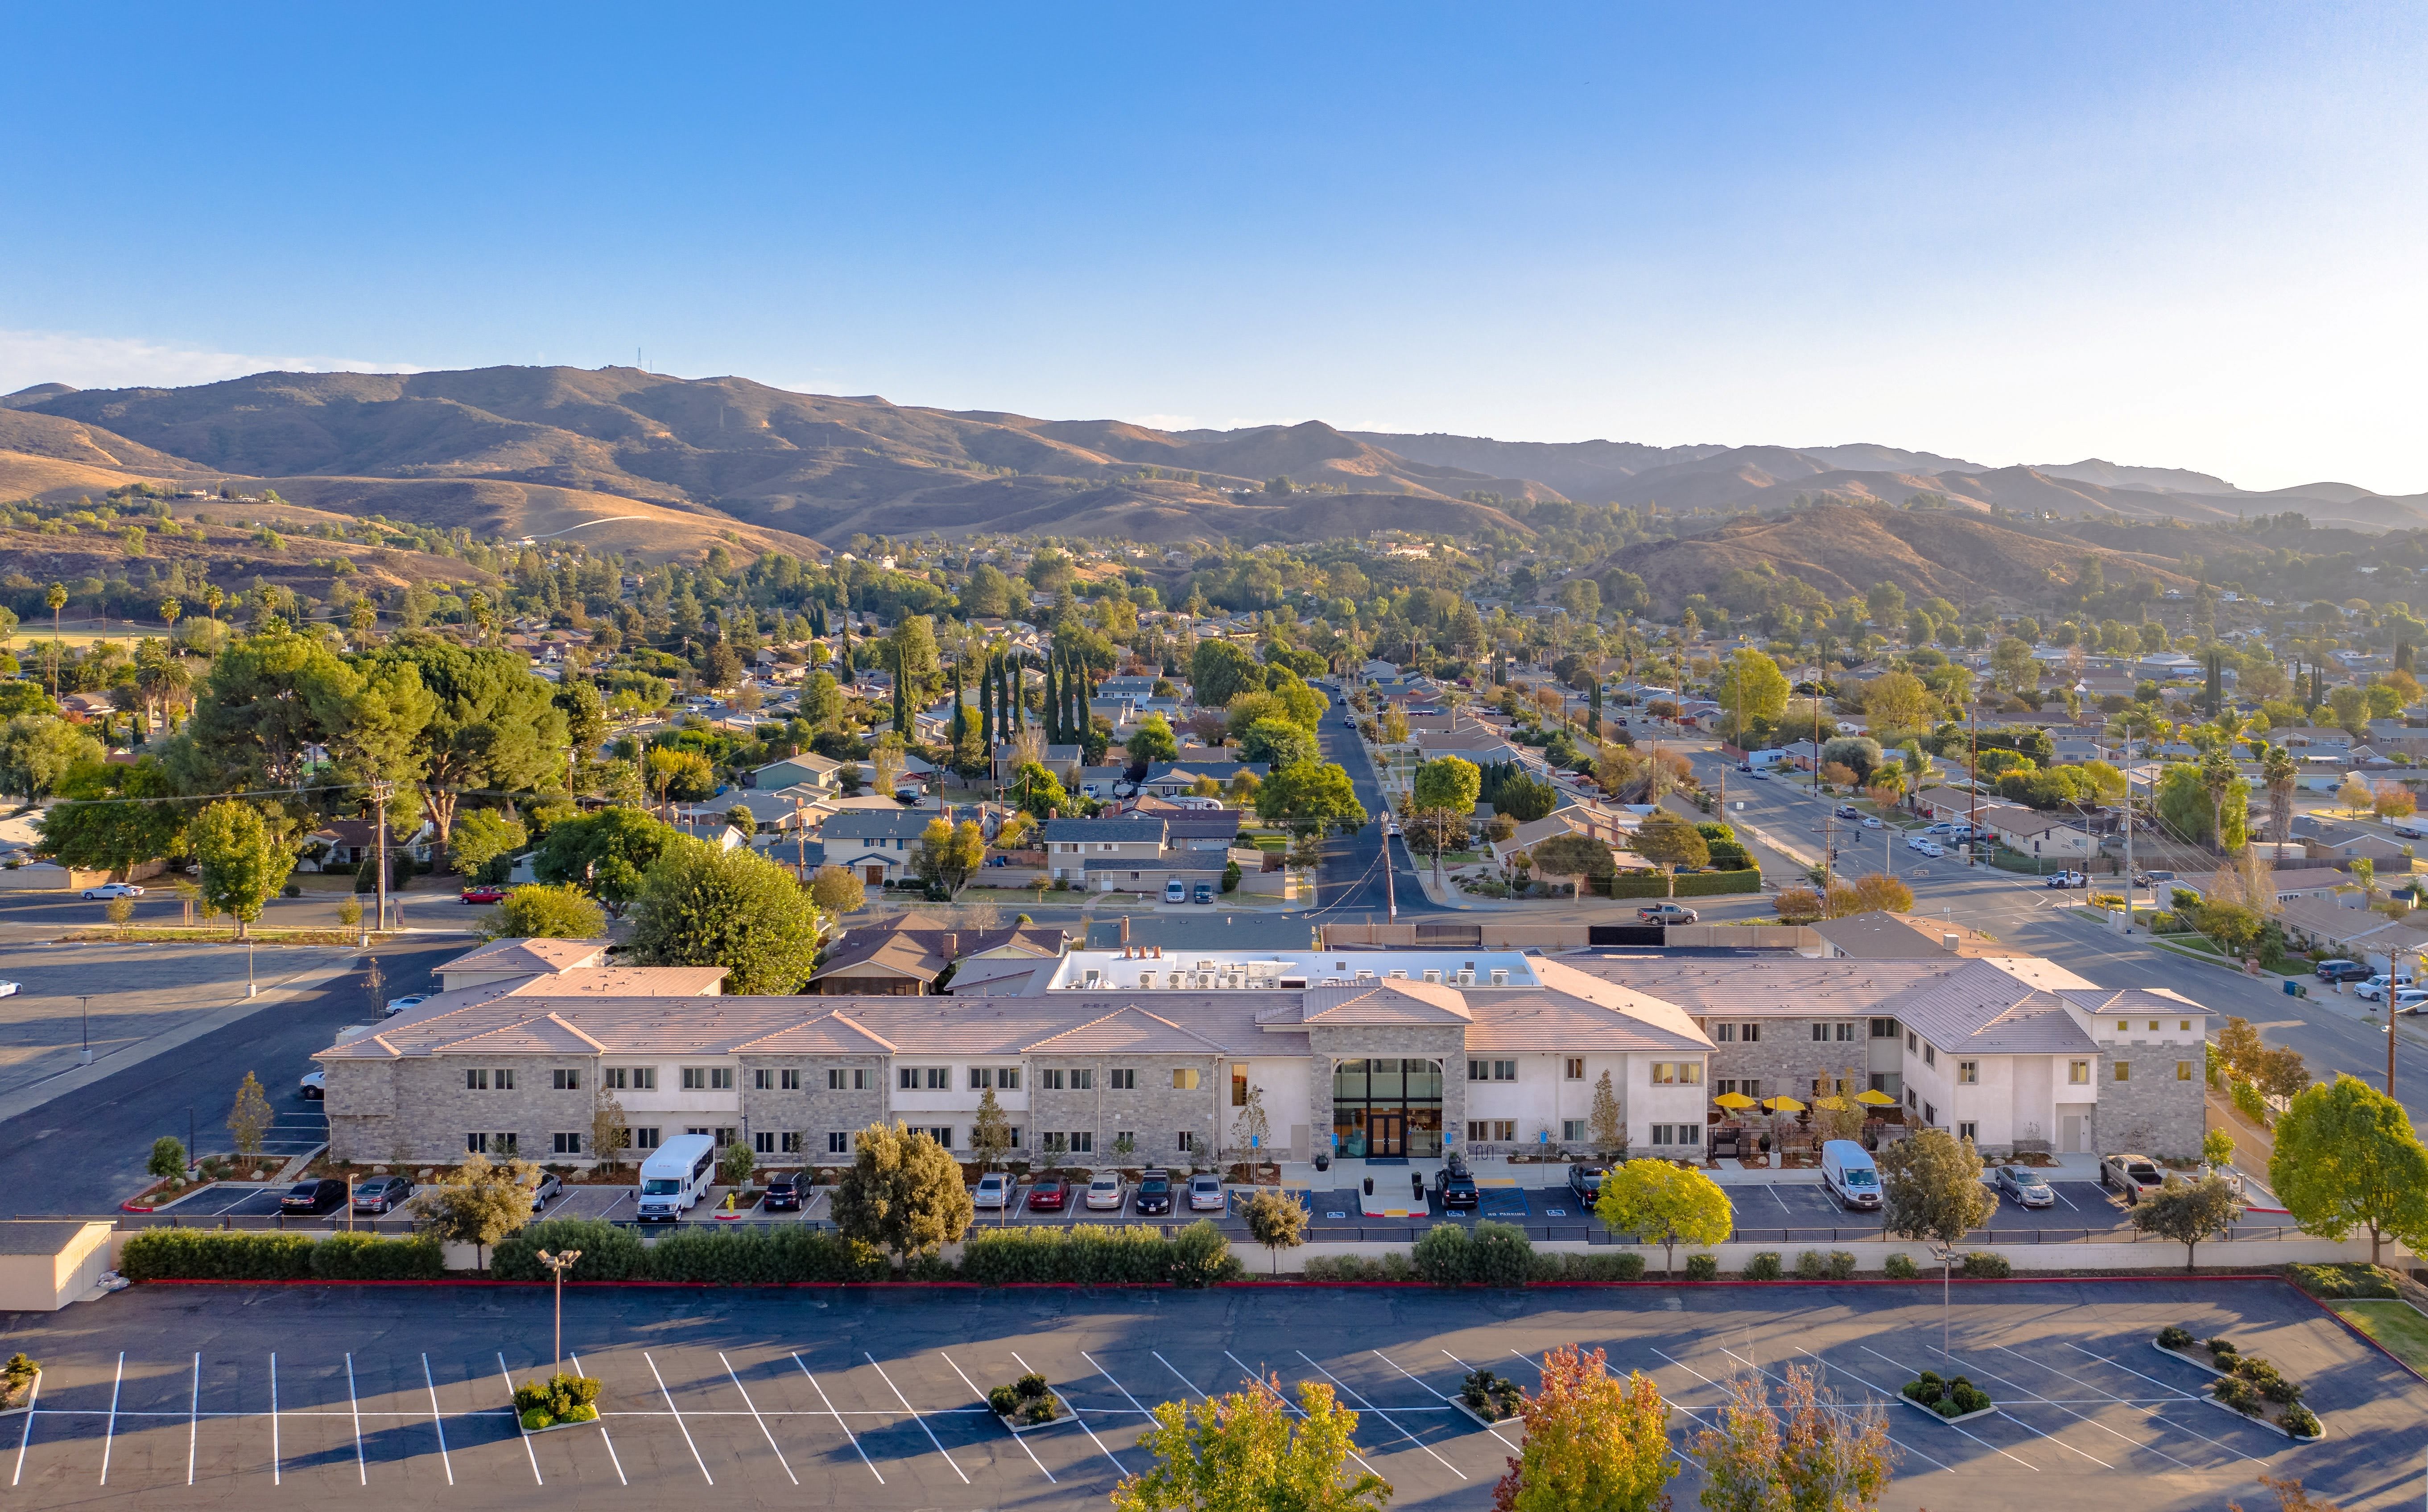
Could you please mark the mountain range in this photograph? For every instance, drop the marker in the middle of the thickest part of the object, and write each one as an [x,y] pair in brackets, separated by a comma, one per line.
[652,465]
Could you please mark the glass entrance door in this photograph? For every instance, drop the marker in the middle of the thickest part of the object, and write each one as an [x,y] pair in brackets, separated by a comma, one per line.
[1386,1133]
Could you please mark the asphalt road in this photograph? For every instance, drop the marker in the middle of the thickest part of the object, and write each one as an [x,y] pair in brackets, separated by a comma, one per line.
[1350,877]
[174,1397]
[46,915]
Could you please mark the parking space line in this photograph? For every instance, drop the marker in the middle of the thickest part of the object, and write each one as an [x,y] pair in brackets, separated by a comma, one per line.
[1772,1188]
[1287,1405]
[520,1432]
[2087,1386]
[1380,1413]
[1184,1380]
[2154,1411]
[604,1436]
[1387,1361]
[1116,1385]
[914,1417]
[110,1435]
[32,1400]
[2129,1369]
[1878,1392]
[194,1418]
[1966,1431]
[754,1414]
[362,1469]
[1015,1437]
[2061,1196]
[2034,1400]
[274,1479]
[438,1422]
[678,1419]
[838,1417]
[1714,1411]
[1079,1417]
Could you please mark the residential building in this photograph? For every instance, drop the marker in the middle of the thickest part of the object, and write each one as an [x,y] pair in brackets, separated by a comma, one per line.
[915,953]
[876,843]
[1132,853]
[1883,935]
[1063,761]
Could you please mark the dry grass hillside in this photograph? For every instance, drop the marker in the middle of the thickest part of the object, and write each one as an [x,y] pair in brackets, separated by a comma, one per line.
[1953,554]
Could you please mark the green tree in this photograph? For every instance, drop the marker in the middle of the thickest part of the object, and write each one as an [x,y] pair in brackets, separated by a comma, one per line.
[1038,791]
[837,892]
[2346,1157]
[1245,1452]
[483,836]
[1152,741]
[1664,1204]
[1751,683]
[2217,1148]
[113,837]
[1594,1442]
[2184,804]
[1609,1130]
[910,655]
[680,776]
[243,864]
[1669,841]
[168,1160]
[494,724]
[1279,743]
[1573,855]
[1931,1186]
[1310,798]
[699,906]
[267,699]
[486,1202]
[1448,782]
[736,1165]
[1276,1221]
[990,1131]
[2011,661]
[249,1120]
[546,912]
[2188,1211]
[902,1193]
[605,852]
[1220,671]
[37,751]
[949,854]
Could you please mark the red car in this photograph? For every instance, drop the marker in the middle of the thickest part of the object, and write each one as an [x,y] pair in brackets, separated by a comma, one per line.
[1048,1195]
[484,895]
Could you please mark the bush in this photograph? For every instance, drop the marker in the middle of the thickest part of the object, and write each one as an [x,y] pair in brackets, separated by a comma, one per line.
[2221,1350]
[1626,1265]
[929,1265]
[1491,1397]
[1440,1257]
[2336,1281]
[1811,1266]
[1101,1255]
[1391,1267]
[608,1253]
[1899,1267]
[1499,1255]
[2268,1378]
[562,1399]
[2237,1393]
[765,1257]
[1702,1267]
[370,1257]
[2248,1101]
[2171,1337]
[1949,1399]
[1764,1267]
[214,1255]
[1842,1265]
[1984,1265]
[2301,1421]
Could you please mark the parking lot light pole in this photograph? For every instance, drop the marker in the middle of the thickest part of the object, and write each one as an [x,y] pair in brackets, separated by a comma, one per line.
[249,988]
[85,1058]
[557,1265]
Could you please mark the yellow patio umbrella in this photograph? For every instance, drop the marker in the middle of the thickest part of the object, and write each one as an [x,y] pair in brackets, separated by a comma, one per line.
[1783,1105]
[1873,1097]
[1835,1104]
[1735,1102]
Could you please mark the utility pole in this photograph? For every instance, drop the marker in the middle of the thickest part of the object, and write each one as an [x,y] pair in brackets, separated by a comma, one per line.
[1390,892]
[379,838]
[1973,814]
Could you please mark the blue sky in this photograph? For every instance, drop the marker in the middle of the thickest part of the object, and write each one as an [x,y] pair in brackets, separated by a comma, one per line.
[2181,235]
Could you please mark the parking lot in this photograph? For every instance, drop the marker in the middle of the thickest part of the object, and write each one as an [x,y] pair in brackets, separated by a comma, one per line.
[178,1397]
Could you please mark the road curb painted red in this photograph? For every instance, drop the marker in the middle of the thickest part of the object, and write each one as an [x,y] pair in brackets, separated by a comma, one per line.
[1233,1285]
[2360,1333]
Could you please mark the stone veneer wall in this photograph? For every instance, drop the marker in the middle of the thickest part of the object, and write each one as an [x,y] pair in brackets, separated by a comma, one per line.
[1787,1057]
[1330,1046]
[2153,1113]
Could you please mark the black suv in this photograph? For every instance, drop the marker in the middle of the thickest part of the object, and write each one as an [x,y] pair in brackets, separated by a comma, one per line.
[323,1195]
[783,1193]
[1154,1192]
[2343,971]
[1457,1185]
[1585,1181]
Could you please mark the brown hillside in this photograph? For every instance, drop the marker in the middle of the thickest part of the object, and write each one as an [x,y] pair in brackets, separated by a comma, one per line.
[1955,555]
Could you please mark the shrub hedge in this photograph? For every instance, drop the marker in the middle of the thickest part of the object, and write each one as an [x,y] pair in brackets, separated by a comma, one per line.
[1690,884]
[608,1253]
[1490,1253]
[1391,1267]
[2354,1280]
[1702,1267]
[216,1255]
[1982,1263]
[1764,1267]
[1901,1266]
[368,1257]
[1099,1254]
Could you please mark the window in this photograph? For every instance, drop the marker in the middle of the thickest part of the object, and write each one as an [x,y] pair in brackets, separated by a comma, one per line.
[1725,1086]
[505,1079]
[1909,1099]
[645,1139]
[1724,1034]
[981,1077]
[789,1080]
[1967,1131]
[1843,1033]
[1572,1130]
[1083,1080]
[1929,1113]
[2124,1024]
[1007,1078]
[1748,1033]
[762,1081]
[1122,1079]
[1677,1072]
[1908,1042]
[476,1145]
[836,1078]
[1238,1087]
[2154,1026]
[1185,1140]
[1184,1079]
[2124,1070]
[562,1079]
[694,1078]
[2077,1072]
[631,1078]
[1968,1073]
[726,1136]
[476,1081]
[1885,1028]
[1049,1080]
[2183,1025]
[838,1142]
[1821,1031]
[1678,1134]
[1573,1069]
[720,1078]
[1498,1131]
[763,1143]
[1930,1056]
[2183,1071]
[566,1143]
[1056,1143]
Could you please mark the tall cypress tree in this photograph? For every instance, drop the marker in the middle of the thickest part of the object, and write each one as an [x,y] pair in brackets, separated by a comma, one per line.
[1053,706]
[901,708]
[986,707]
[960,711]
[1019,698]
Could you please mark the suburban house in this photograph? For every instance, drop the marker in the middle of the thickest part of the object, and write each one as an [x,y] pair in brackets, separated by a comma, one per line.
[2032,832]
[1063,761]
[1883,935]
[807,770]
[2351,846]
[1170,779]
[875,845]
[2314,881]
[1134,853]
[909,956]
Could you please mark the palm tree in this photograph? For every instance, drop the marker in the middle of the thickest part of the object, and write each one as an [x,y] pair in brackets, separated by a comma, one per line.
[55,596]
[2278,770]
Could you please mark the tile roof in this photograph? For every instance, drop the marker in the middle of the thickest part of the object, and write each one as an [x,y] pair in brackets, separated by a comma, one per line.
[877,824]
[627,981]
[529,956]
[1391,1002]
[1129,1029]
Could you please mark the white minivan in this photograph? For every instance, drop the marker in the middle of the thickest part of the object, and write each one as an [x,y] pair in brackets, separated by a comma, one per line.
[676,1176]
[1848,1171]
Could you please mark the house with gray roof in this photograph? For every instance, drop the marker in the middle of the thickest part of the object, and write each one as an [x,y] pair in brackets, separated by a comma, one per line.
[874,844]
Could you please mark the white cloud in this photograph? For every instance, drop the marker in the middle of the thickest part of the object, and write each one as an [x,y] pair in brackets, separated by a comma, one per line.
[30,357]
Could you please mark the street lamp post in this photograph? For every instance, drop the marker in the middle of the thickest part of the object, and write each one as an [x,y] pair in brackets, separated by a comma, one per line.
[86,1004]
[557,1265]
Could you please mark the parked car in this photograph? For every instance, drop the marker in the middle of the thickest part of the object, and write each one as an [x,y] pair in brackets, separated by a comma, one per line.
[1457,1185]
[551,1188]
[1849,1175]
[2023,1183]
[398,1005]
[313,1087]
[1761,774]
[318,1195]
[2375,989]
[1048,1195]
[1153,1193]
[1666,913]
[2132,1175]
[1205,1194]
[483,893]
[1104,1194]
[2341,970]
[110,890]
[382,1194]
[1206,891]
[1585,1182]
[1945,827]
[9,989]
[2409,1000]
[994,1192]
[1175,891]
[1916,841]
[783,1194]
[2067,878]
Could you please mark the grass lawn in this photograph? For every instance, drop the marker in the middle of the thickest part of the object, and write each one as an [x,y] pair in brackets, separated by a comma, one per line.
[2398,1325]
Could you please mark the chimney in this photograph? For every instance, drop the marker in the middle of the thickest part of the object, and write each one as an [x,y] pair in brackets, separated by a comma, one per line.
[1125,935]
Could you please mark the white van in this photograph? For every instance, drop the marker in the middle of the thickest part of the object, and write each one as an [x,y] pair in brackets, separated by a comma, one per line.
[1848,1171]
[676,1176]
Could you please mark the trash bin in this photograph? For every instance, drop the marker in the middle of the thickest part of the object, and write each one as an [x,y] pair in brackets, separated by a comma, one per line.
[2294,989]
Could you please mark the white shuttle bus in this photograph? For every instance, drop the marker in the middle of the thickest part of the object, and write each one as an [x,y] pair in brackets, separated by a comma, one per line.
[676,1176]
